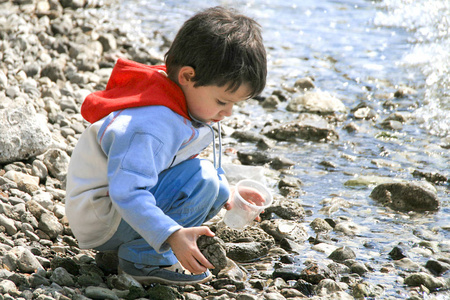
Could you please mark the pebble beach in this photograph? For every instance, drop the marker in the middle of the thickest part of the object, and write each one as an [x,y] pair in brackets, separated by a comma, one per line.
[54,53]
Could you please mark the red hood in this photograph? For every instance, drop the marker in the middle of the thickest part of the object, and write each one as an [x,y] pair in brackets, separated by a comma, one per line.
[131,85]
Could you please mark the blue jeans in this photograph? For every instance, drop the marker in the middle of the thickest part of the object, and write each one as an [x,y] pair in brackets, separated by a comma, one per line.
[196,199]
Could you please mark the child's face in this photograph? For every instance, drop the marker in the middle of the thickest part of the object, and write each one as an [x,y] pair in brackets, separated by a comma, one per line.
[212,103]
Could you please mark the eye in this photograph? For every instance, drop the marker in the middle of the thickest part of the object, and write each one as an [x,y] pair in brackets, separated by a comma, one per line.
[220,102]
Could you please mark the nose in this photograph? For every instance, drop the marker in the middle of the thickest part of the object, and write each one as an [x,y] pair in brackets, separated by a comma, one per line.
[227,111]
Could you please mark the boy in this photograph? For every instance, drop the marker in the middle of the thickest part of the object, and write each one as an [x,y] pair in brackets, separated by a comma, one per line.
[134,185]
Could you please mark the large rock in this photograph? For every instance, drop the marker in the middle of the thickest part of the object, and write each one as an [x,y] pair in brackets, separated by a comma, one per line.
[23,134]
[316,102]
[407,196]
[307,127]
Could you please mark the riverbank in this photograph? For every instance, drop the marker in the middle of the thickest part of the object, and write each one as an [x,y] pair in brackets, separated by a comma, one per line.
[55,53]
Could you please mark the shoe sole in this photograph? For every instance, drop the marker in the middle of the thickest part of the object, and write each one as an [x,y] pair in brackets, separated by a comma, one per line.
[146,280]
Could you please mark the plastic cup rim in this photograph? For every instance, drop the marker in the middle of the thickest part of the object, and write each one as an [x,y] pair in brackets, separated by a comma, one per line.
[268,201]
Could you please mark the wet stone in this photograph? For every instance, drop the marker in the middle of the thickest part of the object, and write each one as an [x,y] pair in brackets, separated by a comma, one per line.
[253,158]
[329,286]
[341,254]
[406,196]
[250,234]
[293,130]
[232,271]
[292,246]
[431,176]
[290,272]
[318,102]
[221,283]
[286,209]
[358,268]
[319,225]
[430,282]
[397,253]
[304,83]
[305,287]
[246,252]
[279,163]
[364,289]
[437,267]
[246,136]
[315,272]
[281,229]
[271,102]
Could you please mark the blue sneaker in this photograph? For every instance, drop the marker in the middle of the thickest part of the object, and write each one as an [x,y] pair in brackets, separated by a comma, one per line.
[171,275]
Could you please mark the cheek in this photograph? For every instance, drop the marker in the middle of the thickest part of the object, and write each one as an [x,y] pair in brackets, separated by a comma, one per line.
[208,109]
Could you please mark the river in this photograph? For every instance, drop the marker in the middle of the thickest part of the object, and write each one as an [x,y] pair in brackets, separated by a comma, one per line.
[357,51]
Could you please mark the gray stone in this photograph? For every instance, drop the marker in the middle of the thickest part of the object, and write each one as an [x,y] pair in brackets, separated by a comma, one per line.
[232,271]
[100,293]
[349,228]
[8,287]
[316,272]
[319,225]
[57,162]
[302,130]
[23,134]
[213,248]
[39,169]
[108,42]
[329,286]
[437,267]
[304,83]
[253,158]
[271,102]
[3,80]
[8,224]
[341,254]
[246,252]
[54,71]
[49,224]
[62,277]
[281,229]
[25,182]
[429,281]
[408,196]
[26,261]
[316,102]
[287,209]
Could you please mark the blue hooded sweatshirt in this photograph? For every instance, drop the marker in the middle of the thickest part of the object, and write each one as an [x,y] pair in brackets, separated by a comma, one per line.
[140,127]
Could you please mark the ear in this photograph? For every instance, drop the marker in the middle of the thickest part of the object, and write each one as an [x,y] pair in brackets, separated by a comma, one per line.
[185,75]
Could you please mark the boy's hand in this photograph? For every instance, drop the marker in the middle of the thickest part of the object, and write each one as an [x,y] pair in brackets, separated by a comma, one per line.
[184,245]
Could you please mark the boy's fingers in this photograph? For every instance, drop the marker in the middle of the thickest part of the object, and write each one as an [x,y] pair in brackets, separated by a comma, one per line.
[202,261]
[206,231]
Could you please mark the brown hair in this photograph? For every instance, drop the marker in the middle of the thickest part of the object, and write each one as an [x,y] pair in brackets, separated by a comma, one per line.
[223,47]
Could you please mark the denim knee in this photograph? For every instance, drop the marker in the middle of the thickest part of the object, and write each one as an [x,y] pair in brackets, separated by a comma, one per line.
[200,197]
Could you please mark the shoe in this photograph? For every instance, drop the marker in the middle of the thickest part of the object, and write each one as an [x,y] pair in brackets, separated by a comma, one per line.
[171,275]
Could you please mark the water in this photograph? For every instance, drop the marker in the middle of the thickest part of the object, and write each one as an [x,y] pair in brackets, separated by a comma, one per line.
[358,51]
